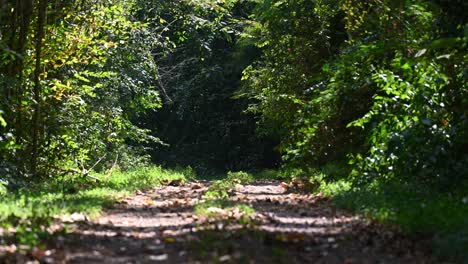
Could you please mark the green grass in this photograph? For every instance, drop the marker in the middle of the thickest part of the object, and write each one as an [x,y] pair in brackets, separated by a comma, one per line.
[221,189]
[215,203]
[418,210]
[31,210]
[204,208]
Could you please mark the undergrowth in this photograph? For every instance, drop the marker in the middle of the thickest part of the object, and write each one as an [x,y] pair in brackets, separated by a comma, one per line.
[29,212]
[215,203]
[238,212]
[221,189]
[416,209]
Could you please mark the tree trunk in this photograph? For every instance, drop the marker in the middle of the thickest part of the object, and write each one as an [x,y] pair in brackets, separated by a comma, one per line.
[42,9]
[25,9]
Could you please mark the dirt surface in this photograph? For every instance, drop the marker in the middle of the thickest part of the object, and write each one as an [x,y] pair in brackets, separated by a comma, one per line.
[160,226]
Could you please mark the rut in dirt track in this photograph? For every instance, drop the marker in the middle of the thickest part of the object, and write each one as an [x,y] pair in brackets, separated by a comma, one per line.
[159,226]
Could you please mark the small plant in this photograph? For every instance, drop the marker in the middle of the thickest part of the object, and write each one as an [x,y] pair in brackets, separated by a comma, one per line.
[216,194]
[226,210]
[301,180]
[219,189]
[306,185]
[289,173]
[3,188]
[240,177]
[335,170]
[334,188]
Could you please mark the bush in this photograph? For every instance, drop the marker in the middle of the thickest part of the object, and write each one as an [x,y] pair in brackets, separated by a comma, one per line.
[240,177]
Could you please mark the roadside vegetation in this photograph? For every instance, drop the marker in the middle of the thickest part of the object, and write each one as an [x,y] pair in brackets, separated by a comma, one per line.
[29,213]
[422,213]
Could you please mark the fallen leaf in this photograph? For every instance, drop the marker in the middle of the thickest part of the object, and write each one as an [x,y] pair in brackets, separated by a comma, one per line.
[196,186]
[292,237]
[38,253]
[169,240]
[284,185]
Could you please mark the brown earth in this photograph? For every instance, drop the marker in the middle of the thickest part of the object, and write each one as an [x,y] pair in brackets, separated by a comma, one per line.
[160,226]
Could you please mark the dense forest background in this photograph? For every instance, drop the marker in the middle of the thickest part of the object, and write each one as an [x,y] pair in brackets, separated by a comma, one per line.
[373,89]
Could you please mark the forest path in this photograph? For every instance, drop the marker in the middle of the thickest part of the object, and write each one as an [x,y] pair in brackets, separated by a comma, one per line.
[160,226]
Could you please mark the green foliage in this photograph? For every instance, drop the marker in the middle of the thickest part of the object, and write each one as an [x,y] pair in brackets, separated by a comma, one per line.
[335,188]
[97,75]
[221,189]
[188,172]
[240,177]
[297,38]
[199,73]
[2,120]
[384,88]
[293,172]
[380,85]
[143,178]
[95,120]
[3,188]
[416,128]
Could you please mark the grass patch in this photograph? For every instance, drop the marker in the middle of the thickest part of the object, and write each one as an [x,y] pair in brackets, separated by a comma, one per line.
[418,210]
[221,189]
[415,208]
[240,177]
[31,210]
[216,204]
[205,208]
[224,209]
